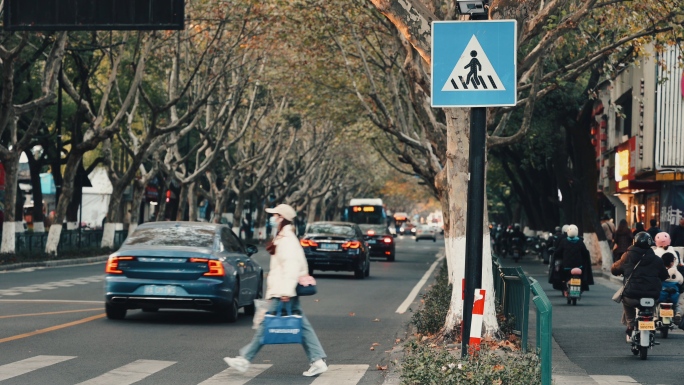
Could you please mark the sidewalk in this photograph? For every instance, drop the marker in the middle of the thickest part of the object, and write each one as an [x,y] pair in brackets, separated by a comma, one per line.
[53,263]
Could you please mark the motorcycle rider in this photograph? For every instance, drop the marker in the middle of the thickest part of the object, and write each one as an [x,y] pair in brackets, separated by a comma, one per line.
[647,272]
[662,246]
[517,233]
[571,253]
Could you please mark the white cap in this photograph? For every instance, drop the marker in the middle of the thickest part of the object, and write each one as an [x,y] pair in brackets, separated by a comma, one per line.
[285,211]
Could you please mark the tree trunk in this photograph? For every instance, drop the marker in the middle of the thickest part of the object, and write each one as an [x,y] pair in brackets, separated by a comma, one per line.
[192,202]
[11,165]
[112,215]
[313,207]
[260,223]
[136,201]
[455,191]
[182,199]
[67,192]
[237,214]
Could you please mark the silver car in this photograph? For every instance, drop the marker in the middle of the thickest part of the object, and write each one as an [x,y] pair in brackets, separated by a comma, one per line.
[426,232]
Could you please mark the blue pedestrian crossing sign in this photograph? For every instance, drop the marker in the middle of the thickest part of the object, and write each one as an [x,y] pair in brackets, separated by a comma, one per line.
[474,63]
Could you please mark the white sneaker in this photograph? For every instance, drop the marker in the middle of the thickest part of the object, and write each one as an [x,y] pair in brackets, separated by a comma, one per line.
[238,363]
[317,367]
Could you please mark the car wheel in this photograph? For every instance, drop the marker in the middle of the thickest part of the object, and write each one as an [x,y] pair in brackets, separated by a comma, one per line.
[434,239]
[251,309]
[229,313]
[366,273]
[416,239]
[390,258]
[359,272]
[115,312]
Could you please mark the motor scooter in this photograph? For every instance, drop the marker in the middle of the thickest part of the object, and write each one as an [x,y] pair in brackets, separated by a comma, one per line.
[663,320]
[643,334]
[515,248]
[574,285]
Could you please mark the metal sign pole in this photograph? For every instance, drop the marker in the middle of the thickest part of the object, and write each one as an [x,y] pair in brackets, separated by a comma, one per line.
[474,218]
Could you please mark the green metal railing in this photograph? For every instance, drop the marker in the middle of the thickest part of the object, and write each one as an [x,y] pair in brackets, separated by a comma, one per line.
[544,336]
[29,241]
[513,289]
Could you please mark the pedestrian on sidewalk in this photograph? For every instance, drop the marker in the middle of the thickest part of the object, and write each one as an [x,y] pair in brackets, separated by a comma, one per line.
[608,229]
[677,234]
[287,265]
[623,240]
[646,273]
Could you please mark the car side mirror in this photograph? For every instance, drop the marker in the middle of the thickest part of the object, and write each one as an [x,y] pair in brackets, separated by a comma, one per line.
[251,249]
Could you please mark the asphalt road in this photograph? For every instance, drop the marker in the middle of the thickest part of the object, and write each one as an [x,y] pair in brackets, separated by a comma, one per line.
[53,330]
[592,339]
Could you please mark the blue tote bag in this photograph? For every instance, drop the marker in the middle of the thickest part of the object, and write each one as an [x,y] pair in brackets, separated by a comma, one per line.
[282,329]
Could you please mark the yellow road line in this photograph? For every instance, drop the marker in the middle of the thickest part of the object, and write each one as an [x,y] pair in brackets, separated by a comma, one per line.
[48,313]
[52,328]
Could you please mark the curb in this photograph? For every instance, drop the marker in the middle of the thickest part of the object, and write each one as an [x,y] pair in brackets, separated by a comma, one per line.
[54,263]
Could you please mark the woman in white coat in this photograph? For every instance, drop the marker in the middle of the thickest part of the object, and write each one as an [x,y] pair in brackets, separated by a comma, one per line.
[288,263]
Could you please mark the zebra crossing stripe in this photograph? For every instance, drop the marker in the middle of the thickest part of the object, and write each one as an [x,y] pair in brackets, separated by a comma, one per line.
[129,374]
[233,377]
[341,375]
[30,364]
[614,380]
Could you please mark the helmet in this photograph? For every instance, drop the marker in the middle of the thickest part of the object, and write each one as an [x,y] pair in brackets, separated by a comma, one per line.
[557,229]
[643,240]
[516,226]
[662,239]
[572,231]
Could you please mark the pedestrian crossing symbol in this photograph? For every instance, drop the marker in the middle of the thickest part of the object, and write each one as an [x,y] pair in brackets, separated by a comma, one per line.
[474,63]
[473,71]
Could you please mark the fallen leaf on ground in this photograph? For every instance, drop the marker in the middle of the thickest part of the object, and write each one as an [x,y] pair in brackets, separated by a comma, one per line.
[376,344]
[397,340]
[352,314]
[372,348]
[381,367]
[376,320]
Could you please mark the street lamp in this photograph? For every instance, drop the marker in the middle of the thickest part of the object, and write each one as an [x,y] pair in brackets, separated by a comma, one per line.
[474,8]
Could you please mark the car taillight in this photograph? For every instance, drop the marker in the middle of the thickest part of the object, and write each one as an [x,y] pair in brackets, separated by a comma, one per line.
[387,240]
[351,245]
[371,233]
[308,243]
[215,267]
[113,264]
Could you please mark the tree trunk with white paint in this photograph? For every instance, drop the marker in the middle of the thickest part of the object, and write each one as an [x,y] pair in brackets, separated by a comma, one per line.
[53,239]
[108,235]
[456,189]
[8,238]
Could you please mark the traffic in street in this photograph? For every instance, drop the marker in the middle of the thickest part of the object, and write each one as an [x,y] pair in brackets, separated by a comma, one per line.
[589,338]
[53,329]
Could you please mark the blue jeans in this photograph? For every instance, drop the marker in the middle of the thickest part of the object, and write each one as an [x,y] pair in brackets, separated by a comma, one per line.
[312,346]
[666,296]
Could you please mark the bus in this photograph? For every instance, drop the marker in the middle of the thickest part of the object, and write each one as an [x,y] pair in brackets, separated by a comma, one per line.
[365,212]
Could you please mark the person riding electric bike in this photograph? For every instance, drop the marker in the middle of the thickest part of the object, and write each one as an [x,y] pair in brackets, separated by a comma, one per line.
[647,273]
[572,253]
[516,241]
[662,246]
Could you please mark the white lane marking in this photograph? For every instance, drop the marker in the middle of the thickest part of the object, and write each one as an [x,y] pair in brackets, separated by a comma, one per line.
[416,289]
[233,377]
[130,373]
[50,300]
[614,380]
[341,375]
[30,364]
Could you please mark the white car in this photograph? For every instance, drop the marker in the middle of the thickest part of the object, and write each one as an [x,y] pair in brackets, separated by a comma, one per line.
[426,232]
